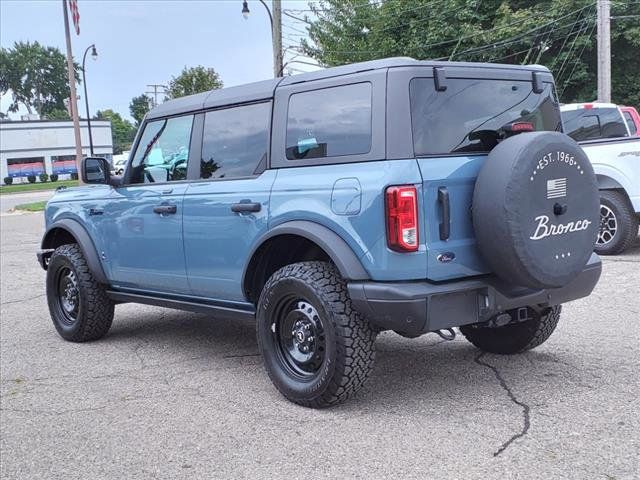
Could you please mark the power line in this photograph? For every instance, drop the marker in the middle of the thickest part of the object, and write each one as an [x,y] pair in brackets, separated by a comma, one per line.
[501,43]
[566,82]
[466,37]
[481,48]
[156,87]
[561,71]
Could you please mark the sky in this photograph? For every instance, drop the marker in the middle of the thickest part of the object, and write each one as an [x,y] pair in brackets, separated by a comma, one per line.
[143,42]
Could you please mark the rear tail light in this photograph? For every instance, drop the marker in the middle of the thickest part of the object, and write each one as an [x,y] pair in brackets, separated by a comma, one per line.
[402,218]
[522,127]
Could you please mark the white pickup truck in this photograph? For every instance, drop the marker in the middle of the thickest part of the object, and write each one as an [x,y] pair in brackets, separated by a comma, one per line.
[602,132]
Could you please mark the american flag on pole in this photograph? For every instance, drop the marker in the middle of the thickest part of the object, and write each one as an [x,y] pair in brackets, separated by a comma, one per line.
[75,15]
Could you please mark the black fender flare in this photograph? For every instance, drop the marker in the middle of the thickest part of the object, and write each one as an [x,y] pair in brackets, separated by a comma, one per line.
[347,262]
[82,238]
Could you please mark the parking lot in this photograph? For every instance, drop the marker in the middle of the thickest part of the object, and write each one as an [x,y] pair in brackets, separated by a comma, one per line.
[169,394]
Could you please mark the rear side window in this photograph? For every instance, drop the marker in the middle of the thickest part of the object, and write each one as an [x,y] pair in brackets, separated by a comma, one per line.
[473,115]
[235,141]
[330,122]
[630,123]
[592,123]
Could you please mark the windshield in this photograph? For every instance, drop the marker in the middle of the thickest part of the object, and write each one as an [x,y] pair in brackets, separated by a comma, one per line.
[474,115]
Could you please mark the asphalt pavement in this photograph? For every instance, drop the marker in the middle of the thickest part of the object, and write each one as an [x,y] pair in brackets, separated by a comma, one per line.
[169,394]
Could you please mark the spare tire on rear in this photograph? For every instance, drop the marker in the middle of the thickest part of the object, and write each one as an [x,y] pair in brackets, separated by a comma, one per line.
[536,210]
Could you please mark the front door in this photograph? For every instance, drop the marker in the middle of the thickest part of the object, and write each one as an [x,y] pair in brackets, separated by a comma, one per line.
[143,220]
[228,208]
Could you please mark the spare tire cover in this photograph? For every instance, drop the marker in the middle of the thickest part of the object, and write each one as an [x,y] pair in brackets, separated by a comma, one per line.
[536,209]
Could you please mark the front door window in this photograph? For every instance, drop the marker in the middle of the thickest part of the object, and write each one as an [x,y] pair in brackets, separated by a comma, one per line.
[163,151]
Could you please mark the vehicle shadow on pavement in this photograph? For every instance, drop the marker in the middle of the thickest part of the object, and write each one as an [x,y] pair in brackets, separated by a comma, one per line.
[408,372]
[631,251]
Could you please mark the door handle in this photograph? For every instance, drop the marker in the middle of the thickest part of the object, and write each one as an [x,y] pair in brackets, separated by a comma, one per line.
[165,209]
[245,207]
[443,200]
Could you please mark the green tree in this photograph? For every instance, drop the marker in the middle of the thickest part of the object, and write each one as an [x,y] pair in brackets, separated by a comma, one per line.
[36,76]
[122,131]
[559,34]
[139,107]
[58,114]
[193,80]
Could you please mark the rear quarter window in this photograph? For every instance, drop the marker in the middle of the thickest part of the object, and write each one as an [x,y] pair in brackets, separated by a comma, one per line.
[473,115]
[329,122]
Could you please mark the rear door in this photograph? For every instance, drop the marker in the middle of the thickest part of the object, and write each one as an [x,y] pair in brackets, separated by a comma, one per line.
[228,207]
[454,124]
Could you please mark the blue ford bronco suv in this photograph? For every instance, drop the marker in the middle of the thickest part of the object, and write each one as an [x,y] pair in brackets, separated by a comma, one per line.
[396,194]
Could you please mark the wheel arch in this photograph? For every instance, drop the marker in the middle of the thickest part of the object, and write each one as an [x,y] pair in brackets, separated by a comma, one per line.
[606,182]
[304,240]
[67,231]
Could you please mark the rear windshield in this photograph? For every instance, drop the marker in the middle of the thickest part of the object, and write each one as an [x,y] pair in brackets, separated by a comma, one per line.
[473,115]
[593,123]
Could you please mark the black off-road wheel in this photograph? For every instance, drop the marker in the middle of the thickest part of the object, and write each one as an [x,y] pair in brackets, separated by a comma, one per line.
[618,223]
[80,308]
[515,337]
[317,350]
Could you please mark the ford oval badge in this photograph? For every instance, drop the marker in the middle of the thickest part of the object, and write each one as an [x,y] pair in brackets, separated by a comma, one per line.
[446,257]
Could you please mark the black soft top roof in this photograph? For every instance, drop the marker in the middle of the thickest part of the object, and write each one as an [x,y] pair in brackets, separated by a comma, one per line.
[266,88]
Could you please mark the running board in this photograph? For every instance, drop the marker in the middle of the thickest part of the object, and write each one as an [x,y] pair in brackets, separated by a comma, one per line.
[204,306]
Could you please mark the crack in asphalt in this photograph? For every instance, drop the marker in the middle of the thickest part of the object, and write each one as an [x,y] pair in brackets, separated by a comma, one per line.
[54,412]
[23,300]
[525,408]
[242,355]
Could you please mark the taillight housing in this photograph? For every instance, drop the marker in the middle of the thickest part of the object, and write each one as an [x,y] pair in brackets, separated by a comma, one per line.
[402,218]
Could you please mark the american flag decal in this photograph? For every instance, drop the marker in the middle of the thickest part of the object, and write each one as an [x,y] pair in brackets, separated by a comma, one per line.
[75,15]
[557,188]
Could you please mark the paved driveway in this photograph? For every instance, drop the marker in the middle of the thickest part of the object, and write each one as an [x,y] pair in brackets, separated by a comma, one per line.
[177,395]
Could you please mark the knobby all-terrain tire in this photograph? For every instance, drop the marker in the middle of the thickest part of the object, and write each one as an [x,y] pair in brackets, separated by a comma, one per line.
[626,223]
[349,340]
[95,309]
[516,337]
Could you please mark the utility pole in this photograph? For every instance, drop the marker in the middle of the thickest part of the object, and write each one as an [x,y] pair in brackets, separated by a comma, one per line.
[155,92]
[73,99]
[277,38]
[604,51]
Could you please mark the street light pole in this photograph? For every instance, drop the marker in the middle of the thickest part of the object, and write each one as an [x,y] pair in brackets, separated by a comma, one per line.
[94,55]
[276,31]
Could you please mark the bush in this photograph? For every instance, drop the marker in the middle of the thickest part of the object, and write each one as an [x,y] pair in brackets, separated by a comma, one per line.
[31,178]
[8,180]
[43,177]
[74,176]
[54,177]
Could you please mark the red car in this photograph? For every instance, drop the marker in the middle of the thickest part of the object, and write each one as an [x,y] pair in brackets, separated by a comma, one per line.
[632,118]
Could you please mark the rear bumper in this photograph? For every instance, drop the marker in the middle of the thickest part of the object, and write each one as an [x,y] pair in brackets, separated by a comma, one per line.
[414,308]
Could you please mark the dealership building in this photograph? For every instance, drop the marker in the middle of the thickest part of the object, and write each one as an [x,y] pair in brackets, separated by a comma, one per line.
[33,147]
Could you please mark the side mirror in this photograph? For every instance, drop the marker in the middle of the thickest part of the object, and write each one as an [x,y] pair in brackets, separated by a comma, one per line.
[95,170]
